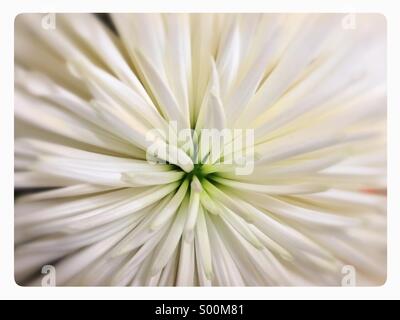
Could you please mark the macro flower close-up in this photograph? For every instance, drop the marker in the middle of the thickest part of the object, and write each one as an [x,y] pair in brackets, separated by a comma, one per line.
[200,149]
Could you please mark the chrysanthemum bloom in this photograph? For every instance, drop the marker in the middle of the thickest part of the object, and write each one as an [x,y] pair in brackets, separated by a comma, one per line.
[87,92]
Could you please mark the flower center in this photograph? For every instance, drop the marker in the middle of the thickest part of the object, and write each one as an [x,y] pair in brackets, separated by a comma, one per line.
[197,171]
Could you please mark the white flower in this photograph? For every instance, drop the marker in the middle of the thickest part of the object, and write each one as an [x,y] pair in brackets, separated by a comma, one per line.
[87,92]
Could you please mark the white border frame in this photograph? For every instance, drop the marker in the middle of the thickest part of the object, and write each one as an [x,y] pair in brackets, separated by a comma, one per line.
[8,288]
